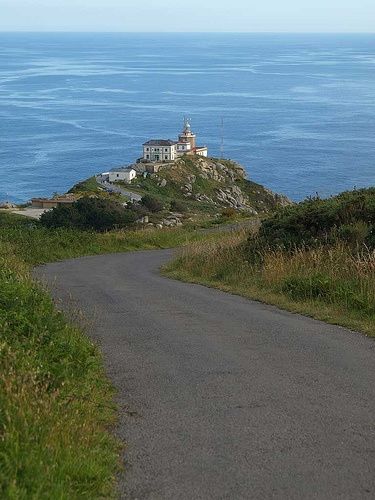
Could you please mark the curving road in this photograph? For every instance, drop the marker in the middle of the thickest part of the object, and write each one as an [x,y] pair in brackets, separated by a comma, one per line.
[115,188]
[221,397]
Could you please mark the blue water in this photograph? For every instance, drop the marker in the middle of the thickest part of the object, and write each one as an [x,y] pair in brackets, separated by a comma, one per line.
[298,110]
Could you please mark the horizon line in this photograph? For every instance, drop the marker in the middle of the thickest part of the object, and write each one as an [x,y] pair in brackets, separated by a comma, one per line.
[63,31]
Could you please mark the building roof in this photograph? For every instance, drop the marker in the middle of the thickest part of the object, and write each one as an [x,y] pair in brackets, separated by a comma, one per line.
[71,199]
[160,142]
[122,169]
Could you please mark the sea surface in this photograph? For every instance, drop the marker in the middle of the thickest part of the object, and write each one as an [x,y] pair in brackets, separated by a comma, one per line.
[298,111]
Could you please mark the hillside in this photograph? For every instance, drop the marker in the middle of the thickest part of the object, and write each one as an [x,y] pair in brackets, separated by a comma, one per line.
[210,183]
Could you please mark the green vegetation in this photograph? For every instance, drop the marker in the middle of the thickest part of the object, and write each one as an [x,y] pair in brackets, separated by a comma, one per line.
[55,402]
[94,214]
[178,206]
[348,217]
[196,182]
[56,407]
[87,186]
[151,203]
[316,258]
[34,244]
[229,213]
[169,194]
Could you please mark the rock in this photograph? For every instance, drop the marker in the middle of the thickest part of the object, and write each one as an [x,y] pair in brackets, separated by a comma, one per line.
[188,188]
[231,196]
[205,198]
[163,183]
[7,205]
[159,226]
[220,171]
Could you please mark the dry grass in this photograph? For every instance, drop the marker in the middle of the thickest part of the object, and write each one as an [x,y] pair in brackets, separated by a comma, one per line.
[331,283]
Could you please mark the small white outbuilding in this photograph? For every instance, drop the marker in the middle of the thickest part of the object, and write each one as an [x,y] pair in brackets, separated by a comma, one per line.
[122,174]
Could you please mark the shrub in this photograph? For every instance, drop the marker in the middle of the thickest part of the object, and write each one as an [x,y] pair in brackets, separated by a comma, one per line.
[229,213]
[152,203]
[89,214]
[349,216]
[356,233]
[178,206]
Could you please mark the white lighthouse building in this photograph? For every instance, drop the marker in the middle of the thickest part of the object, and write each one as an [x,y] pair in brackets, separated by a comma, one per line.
[164,150]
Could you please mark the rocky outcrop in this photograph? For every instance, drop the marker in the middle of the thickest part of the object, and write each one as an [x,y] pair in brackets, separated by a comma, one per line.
[218,182]
[232,196]
[219,171]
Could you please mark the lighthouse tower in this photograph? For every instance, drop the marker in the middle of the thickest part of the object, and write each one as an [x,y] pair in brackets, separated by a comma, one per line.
[187,136]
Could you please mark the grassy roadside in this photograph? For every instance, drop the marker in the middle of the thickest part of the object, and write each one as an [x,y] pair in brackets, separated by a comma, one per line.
[331,284]
[55,401]
[35,244]
[56,404]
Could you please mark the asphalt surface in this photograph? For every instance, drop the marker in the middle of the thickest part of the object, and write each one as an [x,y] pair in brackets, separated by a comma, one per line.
[221,397]
[114,188]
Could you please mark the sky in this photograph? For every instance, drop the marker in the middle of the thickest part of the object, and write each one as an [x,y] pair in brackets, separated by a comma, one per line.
[188,15]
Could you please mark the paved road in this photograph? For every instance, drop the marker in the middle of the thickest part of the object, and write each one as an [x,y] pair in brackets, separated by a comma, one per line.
[221,397]
[33,213]
[114,188]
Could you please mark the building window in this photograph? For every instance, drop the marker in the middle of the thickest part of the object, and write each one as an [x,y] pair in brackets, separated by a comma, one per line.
[147,149]
[166,150]
[147,156]
[165,157]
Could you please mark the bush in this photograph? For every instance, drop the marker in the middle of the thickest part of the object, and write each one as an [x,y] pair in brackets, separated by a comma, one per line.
[178,206]
[229,213]
[349,216]
[152,203]
[89,214]
[356,233]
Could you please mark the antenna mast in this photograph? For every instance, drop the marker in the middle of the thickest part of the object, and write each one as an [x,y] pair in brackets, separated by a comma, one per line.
[222,138]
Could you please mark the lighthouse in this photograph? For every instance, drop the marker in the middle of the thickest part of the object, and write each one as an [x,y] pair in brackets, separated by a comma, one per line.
[187,136]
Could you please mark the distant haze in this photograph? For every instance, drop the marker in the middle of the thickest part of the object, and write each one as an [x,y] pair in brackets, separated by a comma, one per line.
[188,16]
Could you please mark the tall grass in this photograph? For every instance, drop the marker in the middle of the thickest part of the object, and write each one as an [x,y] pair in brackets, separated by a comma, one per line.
[55,401]
[330,282]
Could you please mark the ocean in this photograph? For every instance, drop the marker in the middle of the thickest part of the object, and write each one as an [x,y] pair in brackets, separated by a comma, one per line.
[298,111]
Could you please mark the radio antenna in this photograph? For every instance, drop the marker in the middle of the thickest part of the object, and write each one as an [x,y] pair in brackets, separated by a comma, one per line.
[222,138]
